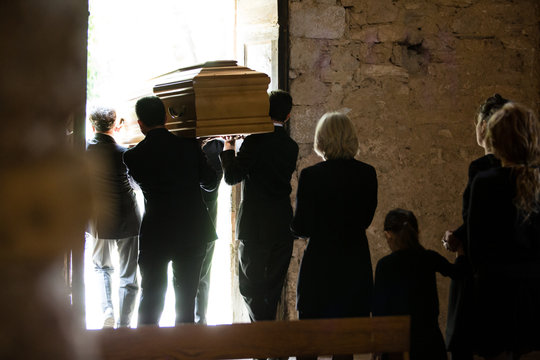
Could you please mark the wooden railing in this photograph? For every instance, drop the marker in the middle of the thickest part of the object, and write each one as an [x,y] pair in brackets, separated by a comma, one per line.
[263,339]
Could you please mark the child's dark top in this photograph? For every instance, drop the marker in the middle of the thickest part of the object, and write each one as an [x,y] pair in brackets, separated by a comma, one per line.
[405,284]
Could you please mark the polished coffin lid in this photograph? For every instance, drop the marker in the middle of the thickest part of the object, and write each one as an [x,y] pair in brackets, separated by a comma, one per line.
[215,98]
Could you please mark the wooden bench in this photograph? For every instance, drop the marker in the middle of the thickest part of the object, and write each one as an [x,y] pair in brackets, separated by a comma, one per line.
[263,339]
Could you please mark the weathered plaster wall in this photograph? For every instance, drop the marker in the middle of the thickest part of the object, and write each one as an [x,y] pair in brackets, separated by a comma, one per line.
[410,74]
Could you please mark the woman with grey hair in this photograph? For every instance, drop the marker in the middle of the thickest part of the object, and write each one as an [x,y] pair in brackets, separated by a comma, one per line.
[335,204]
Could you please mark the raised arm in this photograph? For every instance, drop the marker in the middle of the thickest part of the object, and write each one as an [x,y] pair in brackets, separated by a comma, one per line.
[236,167]
[207,175]
[456,270]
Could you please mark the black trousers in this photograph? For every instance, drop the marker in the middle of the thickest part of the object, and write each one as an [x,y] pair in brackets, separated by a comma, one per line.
[201,301]
[186,266]
[263,268]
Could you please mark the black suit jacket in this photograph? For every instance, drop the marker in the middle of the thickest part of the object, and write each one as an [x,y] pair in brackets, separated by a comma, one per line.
[117,215]
[170,171]
[335,203]
[265,163]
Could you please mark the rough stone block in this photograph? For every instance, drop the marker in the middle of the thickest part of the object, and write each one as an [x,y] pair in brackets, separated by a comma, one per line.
[445,133]
[365,103]
[376,53]
[303,122]
[357,4]
[454,3]
[474,22]
[339,76]
[370,70]
[381,11]
[441,42]
[414,58]
[318,21]
[329,2]
[397,55]
[334,101]
[308,90]
[397,89]
[343,59]
[306,53]
[414,5]
[392,33]
[367,34]
[512,41]
[356,20]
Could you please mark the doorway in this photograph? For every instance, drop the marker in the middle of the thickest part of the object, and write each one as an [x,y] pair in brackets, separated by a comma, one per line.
[132,41]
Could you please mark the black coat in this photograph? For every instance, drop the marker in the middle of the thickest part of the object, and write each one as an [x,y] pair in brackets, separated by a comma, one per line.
[504,249]
[405,284]
[170,171]
[336,201]
[459,332]
[483,163]
[264,163]
[117,215]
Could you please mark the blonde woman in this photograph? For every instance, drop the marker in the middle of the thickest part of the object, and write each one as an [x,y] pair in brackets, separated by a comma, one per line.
[504,238]
[336,201]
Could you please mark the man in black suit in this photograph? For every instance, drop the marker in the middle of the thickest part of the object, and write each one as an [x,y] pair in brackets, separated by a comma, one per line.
[116,221]
[176,226]
[265,163]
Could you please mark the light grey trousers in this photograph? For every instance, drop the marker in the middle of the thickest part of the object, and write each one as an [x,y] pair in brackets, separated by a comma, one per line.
[128,289]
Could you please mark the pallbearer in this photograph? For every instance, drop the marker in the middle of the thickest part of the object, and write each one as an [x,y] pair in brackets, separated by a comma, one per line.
[264,164]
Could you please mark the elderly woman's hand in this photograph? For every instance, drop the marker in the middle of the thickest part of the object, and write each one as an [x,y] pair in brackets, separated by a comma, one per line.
[451,242]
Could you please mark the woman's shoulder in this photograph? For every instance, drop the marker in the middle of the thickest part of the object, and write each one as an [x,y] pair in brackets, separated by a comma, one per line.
[486,162]
[354,164]
[314,169]
[495,175]
[339,166]
[364,166]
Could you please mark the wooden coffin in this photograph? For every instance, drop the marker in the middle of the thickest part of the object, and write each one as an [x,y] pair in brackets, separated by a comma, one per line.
[216,98]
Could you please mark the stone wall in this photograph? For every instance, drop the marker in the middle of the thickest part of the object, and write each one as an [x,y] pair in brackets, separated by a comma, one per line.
[410,74]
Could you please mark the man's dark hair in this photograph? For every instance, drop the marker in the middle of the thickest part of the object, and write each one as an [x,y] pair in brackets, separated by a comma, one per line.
[103,118]
[150,111]
[280,105]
